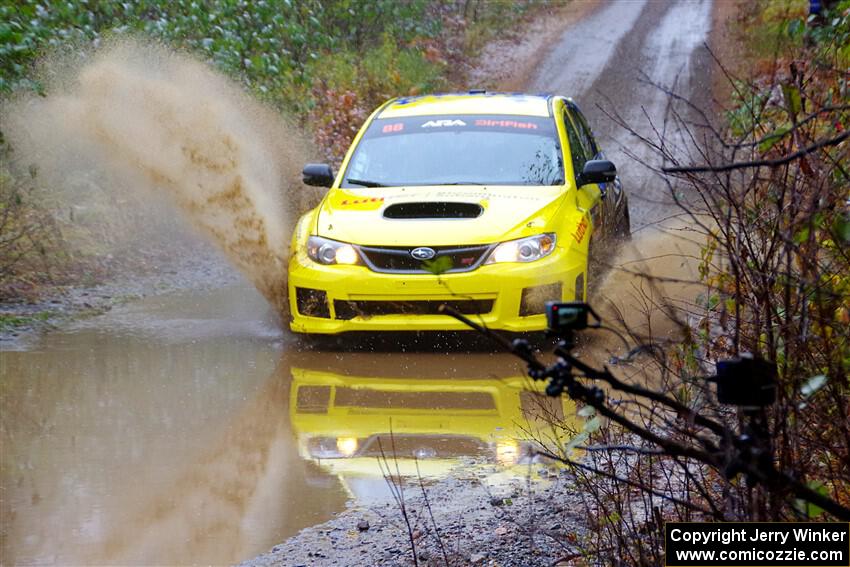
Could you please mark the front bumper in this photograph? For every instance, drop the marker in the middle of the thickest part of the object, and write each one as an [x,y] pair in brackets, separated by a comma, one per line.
[320,297]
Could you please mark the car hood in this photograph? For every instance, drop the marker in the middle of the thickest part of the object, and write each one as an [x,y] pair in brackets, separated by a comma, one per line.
[477,215]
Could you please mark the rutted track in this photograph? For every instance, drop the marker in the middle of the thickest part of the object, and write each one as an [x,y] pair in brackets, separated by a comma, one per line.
[604,63]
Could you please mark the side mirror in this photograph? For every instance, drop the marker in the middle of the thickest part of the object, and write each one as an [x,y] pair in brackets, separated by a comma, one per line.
[318,175]
[597,171]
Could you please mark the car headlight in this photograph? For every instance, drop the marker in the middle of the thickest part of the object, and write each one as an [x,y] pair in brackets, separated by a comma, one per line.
[523,250]
[507,453]
[346,446]
[325,251]
[332,447]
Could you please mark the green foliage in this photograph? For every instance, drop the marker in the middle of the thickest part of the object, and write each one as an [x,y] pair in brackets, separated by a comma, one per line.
[357,23]
[841,228]
[438,266]
[832,35]
[273,46]
[792,98]
[808,509]
[327,62]
[381,72]
[348,84]
[780,26]
[771,139]
[747,105]
[485,19]
[8,322]
[786,26]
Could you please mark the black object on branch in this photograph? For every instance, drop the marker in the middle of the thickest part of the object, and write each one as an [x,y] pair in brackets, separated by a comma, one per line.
[748,453]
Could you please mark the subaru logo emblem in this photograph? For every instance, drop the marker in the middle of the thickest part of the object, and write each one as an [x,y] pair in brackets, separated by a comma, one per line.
[423,253]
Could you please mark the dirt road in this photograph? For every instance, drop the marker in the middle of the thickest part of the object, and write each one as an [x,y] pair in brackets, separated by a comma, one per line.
[189,428]
[606,61]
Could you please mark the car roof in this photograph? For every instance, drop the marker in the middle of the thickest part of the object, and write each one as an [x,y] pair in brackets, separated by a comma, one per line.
[468,103]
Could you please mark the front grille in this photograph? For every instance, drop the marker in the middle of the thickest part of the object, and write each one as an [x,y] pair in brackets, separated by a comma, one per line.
[424,446]
[368,399]
[347,310]
[399,260]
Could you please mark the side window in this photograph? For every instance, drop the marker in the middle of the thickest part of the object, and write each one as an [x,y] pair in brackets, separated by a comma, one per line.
[577,149]
[585,133]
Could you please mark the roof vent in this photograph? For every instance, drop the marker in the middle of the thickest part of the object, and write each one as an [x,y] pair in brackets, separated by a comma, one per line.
[433,210]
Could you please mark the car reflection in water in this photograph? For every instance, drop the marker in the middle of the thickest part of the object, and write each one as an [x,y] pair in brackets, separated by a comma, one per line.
[426,413]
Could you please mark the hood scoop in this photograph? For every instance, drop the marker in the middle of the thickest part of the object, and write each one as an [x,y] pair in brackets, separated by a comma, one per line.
[433,210]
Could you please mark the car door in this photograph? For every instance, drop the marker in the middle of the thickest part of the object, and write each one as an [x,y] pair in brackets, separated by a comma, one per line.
[582,149]
[613,197]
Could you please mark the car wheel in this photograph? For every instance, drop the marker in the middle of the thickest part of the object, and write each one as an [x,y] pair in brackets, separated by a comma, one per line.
[624,227]
[594,268]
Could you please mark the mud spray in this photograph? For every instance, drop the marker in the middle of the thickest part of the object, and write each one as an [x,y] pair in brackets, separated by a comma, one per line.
[156,122]
[648,291]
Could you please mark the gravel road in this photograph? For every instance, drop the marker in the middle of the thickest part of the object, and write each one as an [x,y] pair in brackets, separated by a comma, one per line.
[604,62]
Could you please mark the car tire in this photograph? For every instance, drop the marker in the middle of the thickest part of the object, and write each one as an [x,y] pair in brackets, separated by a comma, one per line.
[594,269]
[624,227]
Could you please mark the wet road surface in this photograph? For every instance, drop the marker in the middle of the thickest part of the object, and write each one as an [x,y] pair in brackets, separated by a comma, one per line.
[154,434]
[189,428]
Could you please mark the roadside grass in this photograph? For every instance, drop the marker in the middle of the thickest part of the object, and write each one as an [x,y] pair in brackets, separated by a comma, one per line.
[490,19]
[768,28]
[30,244]
[10,322]
[348,85]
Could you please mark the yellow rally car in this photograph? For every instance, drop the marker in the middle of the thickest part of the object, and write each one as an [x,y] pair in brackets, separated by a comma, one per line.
[486,202]
[425,425]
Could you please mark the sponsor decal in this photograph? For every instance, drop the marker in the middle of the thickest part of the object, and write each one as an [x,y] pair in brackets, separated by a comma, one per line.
[395,127]
[506,124]
[442,123]
[362,201]
[499,123]
[581,230]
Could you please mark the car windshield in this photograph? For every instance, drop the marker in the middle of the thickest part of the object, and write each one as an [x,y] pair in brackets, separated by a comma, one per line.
[457,150]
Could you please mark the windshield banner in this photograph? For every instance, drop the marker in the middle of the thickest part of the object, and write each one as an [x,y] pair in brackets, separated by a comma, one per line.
[425,124]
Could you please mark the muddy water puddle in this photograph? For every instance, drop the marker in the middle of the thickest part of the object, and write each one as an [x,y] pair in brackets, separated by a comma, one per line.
[189,429]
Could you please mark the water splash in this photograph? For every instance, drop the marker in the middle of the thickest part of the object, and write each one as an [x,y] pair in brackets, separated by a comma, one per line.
[158,122]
